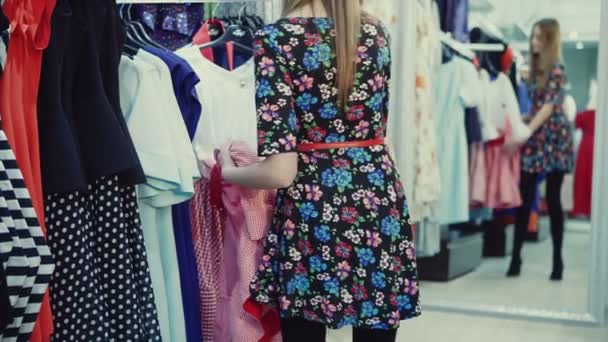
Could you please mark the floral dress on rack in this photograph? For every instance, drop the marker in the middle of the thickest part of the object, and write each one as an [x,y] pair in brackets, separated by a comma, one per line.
[340,250]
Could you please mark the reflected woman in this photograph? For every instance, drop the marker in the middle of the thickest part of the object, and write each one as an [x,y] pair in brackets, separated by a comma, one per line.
[549,151]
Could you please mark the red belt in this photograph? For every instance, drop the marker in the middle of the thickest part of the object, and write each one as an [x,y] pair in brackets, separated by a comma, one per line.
[338,145]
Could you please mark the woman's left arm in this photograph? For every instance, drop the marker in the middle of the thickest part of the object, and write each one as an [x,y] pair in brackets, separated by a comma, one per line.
[275,172]
[278,124]
[554,96]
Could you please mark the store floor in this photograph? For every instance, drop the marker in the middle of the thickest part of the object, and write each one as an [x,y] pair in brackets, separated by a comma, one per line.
[488,284]
[438,327]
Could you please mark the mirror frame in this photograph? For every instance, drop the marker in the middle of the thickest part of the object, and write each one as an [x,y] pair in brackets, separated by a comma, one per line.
[597,301]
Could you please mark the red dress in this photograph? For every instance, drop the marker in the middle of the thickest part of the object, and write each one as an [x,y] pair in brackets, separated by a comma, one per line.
[30,33]
[583,176]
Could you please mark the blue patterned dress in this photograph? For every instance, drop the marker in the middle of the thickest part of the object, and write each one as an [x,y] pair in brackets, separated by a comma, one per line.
[340,251]
[550,148]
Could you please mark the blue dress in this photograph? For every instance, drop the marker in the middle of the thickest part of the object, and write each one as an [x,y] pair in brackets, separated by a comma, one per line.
[453,91]
[184,82]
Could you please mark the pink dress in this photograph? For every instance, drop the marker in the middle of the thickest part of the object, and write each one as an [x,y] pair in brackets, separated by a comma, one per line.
[503,163]
[229,228]
[503,172]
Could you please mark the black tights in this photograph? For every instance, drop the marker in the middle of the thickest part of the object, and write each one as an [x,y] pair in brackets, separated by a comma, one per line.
[527,186]
[301,330]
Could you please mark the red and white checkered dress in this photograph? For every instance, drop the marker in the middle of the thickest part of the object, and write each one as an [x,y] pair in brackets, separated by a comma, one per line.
[228,243]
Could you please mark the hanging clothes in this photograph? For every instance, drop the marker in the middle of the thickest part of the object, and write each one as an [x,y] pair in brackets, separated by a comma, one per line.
[207,231]
[477,175]
[216,83]
[455,88]
[247,215]
[503,115]
[30,30]
[583,174]
[6,310]
[473,125]
[170,166]
[525,102]
[454,18]
[184,82]
[171,25]
[82,129]
[427,181]
[26,264]
[101,286]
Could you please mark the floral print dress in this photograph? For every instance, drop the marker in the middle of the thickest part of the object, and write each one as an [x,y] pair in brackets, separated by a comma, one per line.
[340,250]
[550,148]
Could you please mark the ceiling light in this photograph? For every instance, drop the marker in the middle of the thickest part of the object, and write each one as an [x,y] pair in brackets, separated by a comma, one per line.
[573,35]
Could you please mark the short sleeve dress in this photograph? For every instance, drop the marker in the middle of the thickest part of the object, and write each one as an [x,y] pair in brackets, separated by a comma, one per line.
[551,147]
[340,250]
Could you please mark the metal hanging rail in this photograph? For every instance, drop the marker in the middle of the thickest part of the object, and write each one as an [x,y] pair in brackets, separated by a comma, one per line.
[180,1]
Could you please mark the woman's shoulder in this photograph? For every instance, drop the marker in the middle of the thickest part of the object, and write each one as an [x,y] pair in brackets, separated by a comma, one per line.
[374,26]
[287,28]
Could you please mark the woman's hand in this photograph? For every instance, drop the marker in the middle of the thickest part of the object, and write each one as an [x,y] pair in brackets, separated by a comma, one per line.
[224,158]
[275,171]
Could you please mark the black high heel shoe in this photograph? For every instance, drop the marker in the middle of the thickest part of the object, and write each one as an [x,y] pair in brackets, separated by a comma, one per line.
[514,268]
[558,271]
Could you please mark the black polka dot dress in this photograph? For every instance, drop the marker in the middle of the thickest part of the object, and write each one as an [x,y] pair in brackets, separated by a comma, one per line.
[101,288]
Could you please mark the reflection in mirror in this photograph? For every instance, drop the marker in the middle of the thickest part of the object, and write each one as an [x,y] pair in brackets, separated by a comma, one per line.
[505,110]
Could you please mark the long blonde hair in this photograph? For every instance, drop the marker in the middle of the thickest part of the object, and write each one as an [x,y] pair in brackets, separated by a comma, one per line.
[542,62]
[346,15]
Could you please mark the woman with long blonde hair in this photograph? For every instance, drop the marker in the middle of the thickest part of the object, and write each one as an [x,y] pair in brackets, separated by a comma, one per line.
[549,150]
[340,250]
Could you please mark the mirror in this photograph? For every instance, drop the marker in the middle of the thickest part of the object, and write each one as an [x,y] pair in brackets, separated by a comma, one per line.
[465,204]
[469,239]
[466,226]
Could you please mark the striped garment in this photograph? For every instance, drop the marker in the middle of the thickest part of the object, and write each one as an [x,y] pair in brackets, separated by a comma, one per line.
[24,254]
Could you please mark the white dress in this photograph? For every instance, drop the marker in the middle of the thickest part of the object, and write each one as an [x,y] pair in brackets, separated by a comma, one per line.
[163,146]
[228,104]
[427,182]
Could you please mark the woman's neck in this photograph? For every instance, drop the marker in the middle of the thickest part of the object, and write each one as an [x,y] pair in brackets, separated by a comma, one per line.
[314,9]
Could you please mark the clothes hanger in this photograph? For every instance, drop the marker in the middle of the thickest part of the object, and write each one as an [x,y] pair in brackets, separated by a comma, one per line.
[139,32]
[232,34]
[240,20]
[132,42]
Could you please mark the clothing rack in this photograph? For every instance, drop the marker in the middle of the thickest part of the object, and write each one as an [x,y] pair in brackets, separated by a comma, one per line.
[485,47]
[465,48]
[180,1]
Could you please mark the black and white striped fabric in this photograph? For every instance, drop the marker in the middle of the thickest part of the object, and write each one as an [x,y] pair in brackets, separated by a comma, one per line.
[24,254]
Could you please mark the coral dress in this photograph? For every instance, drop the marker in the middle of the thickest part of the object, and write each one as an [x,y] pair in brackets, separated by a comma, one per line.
[30,33]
